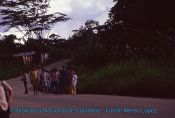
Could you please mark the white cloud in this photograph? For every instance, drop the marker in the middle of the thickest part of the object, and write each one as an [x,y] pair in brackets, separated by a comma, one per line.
[60,5]
[79,11]
[11,31]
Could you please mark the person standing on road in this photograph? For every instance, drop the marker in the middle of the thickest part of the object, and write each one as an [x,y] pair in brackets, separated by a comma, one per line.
[55,79]
[25,80]
[49,81]
[63,75]
[6,94]
[69,80]
[34,79]
[44,78]
[74,83]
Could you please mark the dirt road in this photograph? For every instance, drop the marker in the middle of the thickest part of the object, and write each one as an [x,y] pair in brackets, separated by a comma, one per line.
[86,106]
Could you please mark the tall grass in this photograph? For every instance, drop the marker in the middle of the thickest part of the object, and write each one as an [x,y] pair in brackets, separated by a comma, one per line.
[13,70]
[129,78]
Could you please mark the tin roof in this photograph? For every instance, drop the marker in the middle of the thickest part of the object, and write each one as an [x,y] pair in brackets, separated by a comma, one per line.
[25,54]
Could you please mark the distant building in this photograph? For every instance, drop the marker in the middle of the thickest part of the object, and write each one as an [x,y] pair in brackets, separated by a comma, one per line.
[44,57]
[31,57]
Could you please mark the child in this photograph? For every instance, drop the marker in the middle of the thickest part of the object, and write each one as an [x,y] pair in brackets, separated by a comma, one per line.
[44,78]
[74,83]
[49,81]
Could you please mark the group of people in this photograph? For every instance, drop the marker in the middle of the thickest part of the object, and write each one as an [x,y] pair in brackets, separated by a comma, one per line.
[55,81]
[63,81]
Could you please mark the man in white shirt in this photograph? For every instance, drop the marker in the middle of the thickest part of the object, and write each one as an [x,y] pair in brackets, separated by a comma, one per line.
[5,99]
[74,83]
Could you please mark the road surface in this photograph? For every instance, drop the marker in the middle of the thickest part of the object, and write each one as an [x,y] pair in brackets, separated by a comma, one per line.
[85,105]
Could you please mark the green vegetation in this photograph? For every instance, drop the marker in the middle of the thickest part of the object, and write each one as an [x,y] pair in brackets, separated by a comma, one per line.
[133,53]
[128,78]
[13,70]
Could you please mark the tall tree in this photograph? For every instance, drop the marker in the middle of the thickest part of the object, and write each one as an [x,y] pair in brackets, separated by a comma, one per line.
[30,17]
[142,27]
[143,13]
[7,47]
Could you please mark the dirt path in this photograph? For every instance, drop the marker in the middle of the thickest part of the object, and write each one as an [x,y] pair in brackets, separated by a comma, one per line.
[86,106]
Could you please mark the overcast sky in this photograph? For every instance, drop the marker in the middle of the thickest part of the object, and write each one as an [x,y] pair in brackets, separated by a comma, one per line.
[79,11]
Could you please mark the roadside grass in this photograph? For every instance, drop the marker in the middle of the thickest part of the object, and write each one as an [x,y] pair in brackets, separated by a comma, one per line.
[128,78]
[12,70]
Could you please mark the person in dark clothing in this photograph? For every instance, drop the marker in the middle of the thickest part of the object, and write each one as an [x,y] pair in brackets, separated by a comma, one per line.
[63,75]
[25,80]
